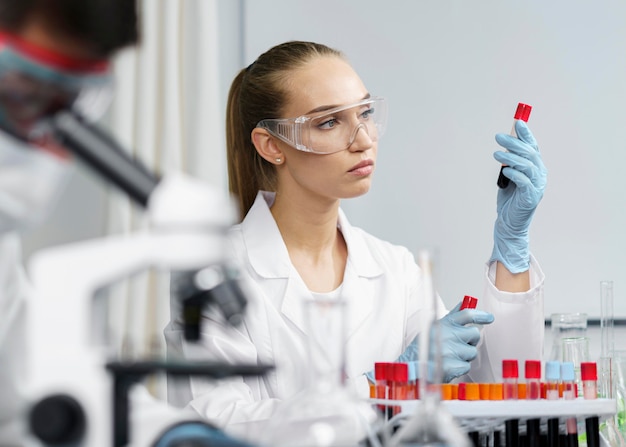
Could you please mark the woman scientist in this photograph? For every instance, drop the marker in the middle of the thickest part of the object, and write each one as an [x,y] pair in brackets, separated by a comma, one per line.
[289,175]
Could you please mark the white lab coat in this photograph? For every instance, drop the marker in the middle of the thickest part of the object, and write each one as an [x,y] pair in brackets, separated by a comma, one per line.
[13,291]
[381,287]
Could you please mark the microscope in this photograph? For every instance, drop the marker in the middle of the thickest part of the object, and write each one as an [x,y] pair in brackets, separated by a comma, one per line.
[76,394]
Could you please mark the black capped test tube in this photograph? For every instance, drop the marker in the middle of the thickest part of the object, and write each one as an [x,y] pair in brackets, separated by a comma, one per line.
[522,113]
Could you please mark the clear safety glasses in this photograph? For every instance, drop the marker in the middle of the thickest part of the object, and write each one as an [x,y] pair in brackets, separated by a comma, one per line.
[332,130]
[36,82]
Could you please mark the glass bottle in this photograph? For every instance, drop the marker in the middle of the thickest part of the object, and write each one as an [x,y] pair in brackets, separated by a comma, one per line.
[326,412]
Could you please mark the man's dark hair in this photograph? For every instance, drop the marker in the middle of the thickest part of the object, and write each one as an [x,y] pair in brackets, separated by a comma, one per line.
[106,25]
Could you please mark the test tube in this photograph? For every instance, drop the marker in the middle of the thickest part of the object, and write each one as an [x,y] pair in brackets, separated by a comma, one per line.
[521,113]
[381,375]
[398,384]
[568,377]
[446,391]
[607,346]
[495,393]
[553,376]
[510,374]
[589,373]
[532,374]
[471,391]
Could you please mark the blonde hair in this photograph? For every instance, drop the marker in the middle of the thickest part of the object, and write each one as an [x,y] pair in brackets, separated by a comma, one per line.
[258,92]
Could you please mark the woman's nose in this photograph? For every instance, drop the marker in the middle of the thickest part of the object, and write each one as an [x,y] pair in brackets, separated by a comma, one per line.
[360,139]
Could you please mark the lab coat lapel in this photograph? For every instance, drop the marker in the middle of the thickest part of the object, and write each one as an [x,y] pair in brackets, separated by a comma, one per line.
[266,249]
[269,258]
[295,295]
[360,269]
[359,298]
[356,290]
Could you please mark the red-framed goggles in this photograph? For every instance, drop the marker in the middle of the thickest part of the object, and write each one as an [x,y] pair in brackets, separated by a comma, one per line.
[36,82]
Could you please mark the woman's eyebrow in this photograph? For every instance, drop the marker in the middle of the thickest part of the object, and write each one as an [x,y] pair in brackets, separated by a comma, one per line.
[331,106]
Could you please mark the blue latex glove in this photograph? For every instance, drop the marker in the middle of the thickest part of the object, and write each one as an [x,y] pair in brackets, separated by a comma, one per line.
[517,202]
[458,342]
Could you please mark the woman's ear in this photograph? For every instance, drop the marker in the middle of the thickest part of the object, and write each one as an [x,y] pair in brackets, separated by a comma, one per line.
[266,146]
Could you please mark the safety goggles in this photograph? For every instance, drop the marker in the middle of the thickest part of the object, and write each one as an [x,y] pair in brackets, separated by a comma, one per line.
[36,82]
[332,130]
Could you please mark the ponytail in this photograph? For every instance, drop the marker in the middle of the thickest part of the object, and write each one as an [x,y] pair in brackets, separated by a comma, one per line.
[259,92]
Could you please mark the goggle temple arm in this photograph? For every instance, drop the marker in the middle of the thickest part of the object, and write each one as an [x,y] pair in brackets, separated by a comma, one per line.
[103,154]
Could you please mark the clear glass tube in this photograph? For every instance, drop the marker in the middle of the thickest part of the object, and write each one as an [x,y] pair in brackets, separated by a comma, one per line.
[568,377]
[326,413]
[431,424]
[607,375]
[607,347]
[607,318]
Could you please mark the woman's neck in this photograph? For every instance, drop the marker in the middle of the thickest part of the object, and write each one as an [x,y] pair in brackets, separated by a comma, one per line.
[305,222]
[316,247]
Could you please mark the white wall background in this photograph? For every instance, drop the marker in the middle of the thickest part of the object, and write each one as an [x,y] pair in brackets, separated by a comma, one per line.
[453,72]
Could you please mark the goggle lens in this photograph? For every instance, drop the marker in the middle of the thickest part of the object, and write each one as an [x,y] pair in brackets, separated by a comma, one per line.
[334,130]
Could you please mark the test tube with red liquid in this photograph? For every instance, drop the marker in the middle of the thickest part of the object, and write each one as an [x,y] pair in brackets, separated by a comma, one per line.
[510,375]
[589,373]
[532,374]
[521,113]
[553,378]
[569,393]
[398,384]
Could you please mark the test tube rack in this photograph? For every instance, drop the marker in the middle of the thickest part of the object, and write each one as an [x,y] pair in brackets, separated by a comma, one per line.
[488,416]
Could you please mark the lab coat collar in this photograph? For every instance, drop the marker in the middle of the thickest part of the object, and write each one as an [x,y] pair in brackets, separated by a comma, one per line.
[263,240]
[262,236]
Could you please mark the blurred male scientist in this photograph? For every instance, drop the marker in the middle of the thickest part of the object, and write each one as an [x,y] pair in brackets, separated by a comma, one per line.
[41,43]
[51,53]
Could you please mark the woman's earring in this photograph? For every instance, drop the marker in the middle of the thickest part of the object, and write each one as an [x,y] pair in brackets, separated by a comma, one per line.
[278,160]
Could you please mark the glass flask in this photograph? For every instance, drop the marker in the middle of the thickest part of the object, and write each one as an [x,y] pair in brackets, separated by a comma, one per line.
[326,413]
[570,342]
[566,326]
[431,424]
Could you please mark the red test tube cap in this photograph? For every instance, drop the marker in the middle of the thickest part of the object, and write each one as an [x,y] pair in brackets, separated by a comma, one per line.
[532,369]
[588,371]
[509,369]
[469,302]
[523,112]
[381,370]
[400,372]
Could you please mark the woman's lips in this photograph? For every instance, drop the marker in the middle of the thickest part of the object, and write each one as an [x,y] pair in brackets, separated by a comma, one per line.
[366,167]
